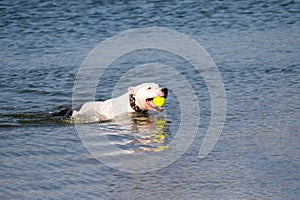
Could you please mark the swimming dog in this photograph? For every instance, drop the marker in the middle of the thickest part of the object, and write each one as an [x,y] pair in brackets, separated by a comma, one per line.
[137,99]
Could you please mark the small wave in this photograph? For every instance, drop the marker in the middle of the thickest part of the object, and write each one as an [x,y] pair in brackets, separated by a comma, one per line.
[28,119]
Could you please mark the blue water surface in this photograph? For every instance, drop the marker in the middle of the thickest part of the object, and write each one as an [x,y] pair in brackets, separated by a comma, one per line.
[255,45]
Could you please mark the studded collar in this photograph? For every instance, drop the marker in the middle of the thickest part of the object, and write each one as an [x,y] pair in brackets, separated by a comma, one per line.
[133,105]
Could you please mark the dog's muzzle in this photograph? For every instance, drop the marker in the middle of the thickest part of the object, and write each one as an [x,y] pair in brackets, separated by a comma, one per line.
[165,92]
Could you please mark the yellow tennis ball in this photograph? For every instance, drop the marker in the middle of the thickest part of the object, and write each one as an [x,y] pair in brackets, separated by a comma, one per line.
[159,101]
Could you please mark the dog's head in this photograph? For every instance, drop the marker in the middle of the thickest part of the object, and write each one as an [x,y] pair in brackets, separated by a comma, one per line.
[145,93]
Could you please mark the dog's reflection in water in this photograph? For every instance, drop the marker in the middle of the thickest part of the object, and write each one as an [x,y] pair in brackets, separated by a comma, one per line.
[148,133]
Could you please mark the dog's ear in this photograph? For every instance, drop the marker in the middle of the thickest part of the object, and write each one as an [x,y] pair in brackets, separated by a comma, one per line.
[132,90]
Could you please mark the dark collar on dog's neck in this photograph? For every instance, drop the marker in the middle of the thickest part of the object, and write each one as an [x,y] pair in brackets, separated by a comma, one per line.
[133,105]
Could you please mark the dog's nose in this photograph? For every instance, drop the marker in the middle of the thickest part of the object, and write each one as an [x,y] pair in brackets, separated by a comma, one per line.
[165,91]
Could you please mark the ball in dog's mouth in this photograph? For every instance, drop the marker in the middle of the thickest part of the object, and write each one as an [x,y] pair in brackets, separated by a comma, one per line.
[156,103]
[159,101]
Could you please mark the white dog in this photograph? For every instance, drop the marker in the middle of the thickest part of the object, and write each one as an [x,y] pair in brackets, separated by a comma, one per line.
[137,99]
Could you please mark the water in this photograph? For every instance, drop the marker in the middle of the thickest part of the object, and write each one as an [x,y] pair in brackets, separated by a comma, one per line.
[255,45]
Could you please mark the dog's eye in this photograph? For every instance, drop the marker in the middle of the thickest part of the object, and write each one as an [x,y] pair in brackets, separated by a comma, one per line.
[149,88]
